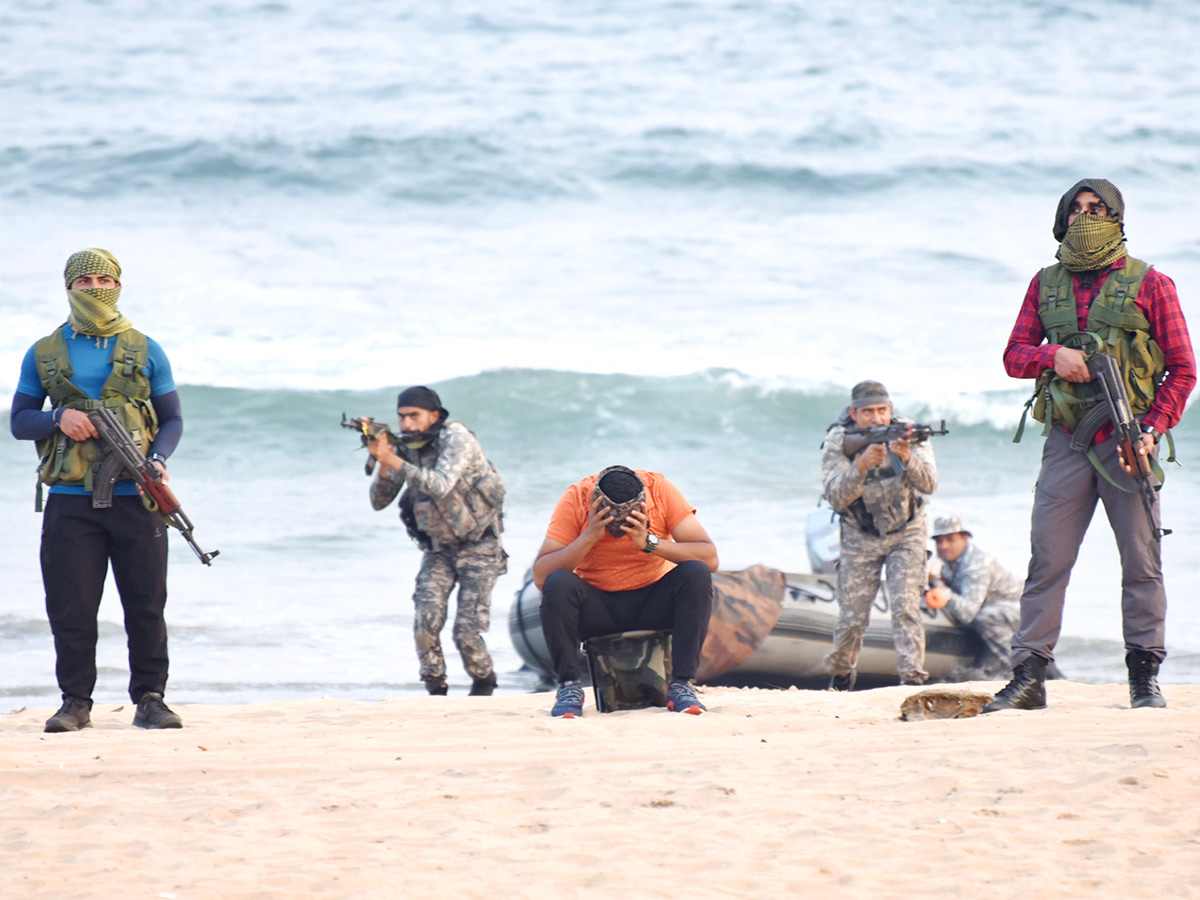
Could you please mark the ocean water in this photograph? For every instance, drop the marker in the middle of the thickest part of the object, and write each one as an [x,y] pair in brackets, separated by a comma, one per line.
[670,235]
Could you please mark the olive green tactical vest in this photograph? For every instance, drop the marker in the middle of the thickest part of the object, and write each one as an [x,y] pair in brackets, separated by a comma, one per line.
[126,392]
[1114,325]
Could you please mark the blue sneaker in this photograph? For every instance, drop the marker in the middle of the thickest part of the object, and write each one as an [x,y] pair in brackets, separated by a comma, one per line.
[681,697]
[569,702]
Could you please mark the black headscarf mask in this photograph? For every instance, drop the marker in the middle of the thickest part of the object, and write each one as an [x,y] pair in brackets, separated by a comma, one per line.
[422,398]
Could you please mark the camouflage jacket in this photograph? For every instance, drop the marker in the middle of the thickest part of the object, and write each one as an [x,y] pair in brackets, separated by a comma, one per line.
[977,579]
[886,498]
[452,495]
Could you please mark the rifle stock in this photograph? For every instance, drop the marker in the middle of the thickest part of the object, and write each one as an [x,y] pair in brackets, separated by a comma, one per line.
[125,456]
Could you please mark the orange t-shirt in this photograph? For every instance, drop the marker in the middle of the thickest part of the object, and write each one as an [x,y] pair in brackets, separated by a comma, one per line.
[616,564]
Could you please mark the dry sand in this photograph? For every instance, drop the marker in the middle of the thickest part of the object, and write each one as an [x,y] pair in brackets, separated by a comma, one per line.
[771,794]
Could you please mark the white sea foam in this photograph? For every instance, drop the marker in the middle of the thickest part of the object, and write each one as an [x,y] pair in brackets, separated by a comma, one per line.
[784,198]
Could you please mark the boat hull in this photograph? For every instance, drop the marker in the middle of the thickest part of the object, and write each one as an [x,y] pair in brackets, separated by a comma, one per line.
[791,653]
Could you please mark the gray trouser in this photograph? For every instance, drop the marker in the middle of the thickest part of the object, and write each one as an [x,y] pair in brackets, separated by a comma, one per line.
[1067,490]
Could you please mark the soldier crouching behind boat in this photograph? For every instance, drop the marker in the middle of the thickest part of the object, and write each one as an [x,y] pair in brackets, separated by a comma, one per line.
[978,593]
[451,506]
[880,497]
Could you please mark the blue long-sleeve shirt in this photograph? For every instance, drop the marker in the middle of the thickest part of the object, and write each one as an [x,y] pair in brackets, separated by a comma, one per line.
[30,421]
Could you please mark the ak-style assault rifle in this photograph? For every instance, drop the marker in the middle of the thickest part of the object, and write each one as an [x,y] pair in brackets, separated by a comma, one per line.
[370,429]
[125,456]
[1113,406]
[858,438]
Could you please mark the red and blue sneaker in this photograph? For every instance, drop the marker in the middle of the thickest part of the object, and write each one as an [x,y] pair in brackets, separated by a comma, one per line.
[569,701]
[681,697]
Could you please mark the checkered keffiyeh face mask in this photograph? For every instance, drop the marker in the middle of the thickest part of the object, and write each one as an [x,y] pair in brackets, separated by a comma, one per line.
[1091,243]
[94,310]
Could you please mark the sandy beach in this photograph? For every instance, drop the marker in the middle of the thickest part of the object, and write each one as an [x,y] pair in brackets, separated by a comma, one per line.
[771,794]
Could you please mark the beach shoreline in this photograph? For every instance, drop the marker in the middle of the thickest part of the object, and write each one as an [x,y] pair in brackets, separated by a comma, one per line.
[770,793]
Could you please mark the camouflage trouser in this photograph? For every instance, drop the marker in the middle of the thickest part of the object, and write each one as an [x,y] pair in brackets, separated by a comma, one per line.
[861,561]
[475,567]
[995,626]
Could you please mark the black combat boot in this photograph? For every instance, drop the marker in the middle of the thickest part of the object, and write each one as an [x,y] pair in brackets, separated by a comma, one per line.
[1143,680]
[483,687]
[74,714]
[436,686]
[1027,690]
[843,682]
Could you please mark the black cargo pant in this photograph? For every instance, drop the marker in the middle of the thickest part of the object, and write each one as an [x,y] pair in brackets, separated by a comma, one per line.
[680,602]
[78,542]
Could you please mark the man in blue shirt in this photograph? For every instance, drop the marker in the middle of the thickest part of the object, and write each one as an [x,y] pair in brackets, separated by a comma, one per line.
[96,358]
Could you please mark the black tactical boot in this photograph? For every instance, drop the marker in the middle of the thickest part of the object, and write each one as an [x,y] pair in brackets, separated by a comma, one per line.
[436,686]
[1143,680]
[483,687]
[843,682]
[75,713]
[153,713]
[1027,690]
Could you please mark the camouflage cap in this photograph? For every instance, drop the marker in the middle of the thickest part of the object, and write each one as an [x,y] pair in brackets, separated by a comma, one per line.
[92,261]
[623,491]
[949,525]
[1102,188]
[867,392]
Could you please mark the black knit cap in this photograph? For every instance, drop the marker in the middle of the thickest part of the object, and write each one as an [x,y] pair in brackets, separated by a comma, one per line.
[422,398]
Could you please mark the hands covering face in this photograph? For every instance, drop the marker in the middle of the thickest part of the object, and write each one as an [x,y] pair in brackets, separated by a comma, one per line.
[619,520]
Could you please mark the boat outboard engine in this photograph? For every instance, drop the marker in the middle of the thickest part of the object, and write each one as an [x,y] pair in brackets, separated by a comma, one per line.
[823,534]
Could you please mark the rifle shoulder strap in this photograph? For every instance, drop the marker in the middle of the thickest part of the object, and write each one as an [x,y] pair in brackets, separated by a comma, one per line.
[1099,467]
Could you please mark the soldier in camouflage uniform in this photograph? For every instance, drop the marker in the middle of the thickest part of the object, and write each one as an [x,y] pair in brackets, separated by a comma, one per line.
[451,506]
[978,593]
[879,495]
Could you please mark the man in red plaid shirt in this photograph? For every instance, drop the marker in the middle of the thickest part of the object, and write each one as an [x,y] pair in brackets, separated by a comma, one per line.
[1095,296]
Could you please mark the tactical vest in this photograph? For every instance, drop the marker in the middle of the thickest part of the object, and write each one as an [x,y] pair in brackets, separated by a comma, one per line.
[1114,325]
[886,504]
[126,392]
[463,515]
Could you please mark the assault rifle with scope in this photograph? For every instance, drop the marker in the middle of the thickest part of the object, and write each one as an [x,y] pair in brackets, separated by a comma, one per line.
[857,439]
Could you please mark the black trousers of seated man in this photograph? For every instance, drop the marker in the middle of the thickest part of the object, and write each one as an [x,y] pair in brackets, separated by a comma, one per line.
[78,542]
[680,602]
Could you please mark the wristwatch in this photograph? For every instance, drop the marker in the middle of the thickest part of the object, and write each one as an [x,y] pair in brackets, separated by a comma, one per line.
[158,458]
[1146,429]
[651,542]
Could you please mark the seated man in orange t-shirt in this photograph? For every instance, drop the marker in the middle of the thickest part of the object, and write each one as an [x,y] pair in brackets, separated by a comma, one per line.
[607,565]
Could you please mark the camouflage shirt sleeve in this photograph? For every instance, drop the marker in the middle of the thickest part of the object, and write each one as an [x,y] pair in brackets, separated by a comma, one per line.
[384,490]
[969,579]
[456,448]
[921,471]
[842,481]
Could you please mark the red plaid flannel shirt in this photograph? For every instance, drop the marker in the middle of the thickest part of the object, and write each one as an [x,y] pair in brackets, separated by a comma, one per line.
[1026,356]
